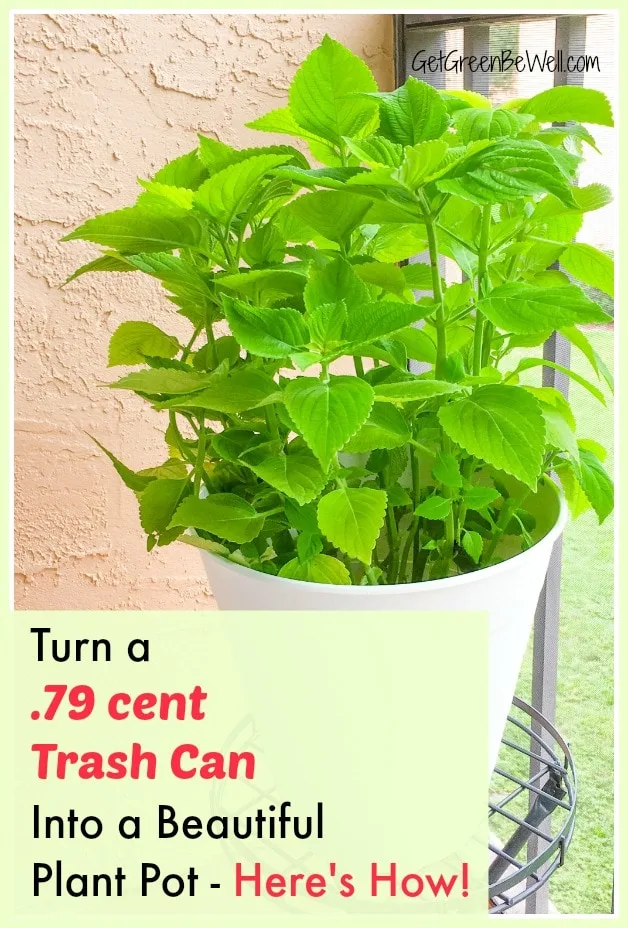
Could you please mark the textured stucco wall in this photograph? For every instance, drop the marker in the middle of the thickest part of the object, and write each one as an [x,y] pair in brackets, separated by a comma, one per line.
[101,100]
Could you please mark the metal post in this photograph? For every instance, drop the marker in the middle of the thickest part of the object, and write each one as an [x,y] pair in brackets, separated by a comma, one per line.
[571,39]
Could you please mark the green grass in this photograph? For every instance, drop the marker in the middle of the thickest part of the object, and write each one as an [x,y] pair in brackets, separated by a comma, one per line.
[585,674]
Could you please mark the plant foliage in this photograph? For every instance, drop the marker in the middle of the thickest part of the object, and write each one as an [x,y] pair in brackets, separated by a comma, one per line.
[297,441]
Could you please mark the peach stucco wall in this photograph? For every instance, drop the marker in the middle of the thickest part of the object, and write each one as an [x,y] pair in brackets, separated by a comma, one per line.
[101,100]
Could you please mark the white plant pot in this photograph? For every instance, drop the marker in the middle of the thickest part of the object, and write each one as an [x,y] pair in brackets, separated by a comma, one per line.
[508,591]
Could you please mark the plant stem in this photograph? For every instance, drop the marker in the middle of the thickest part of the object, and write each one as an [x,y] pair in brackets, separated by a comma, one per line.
[439,320]
[485,232]
[393,545]
[359,367]
[272,421]
[509,506]
[200,457]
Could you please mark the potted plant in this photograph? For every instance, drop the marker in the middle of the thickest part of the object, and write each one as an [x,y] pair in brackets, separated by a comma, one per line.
[308,485]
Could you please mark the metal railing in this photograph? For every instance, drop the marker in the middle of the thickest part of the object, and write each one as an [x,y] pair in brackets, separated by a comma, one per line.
[414,33]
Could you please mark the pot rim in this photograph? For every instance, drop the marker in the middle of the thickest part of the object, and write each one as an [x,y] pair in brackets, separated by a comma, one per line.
[398,588]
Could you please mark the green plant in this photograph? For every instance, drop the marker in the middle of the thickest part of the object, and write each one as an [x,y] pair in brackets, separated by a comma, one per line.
[276,459]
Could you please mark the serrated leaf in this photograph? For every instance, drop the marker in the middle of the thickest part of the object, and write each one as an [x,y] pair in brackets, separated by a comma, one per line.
[133,341]
[435,508]
[163,381]
[473,543]
[385,427]
[352,518]
[596,484]
[507,170]
[419,346]
[265,331]
[319,569]
[223,514]
[501,425]
[527,363]
[386,276]
[323,92]
[447,470]
[422,163]
[592,197]
[418,276]
[106,262]
[297,474]
[134,481]
[233,393]
[326,323]
[413,391]
[589,444]
[335,282]
[525,309]
[574,494]
[566,103]
[228,192]
[137,229]
[376,151]
[413,113]
[264,284]
[309,544]
[158,195]
[375,320]
[590,265]
[394,242]
[332,213]
[328,414]
[283,122]
[473,124]
[177,275]
[185,171]
[478,498]
[159,501]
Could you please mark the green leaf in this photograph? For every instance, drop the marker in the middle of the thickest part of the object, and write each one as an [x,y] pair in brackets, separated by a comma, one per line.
[264,284]
[333,213]
[421,163]
[418,276]
[413,391]
[236,392]
[580,340]
[418,344]
[435,508]
[385,428]
[106,262]
[473,124]
[473,543]
[308,545]
[501,425]
[163,381]
[265,246]
[177,275]
[326,323]
[283,122]
[395,242]
[137,229]
[158,503]
[228,192]
[335,282]
[376,151]
[507,170]
[157,196]
[525,309]
[576,498]
[319,569]
[133,341]
[478,498]
[185,171]
[352,518]
[566,103]
[592,197]
[413,113]
[323,93]
[589,444]
[590,265]
[375,320]
[223,514]
[447,470]
[297,474]
[596,484]
[527,363]
[270,333]
[134,481]
[328,414]
[386,276]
